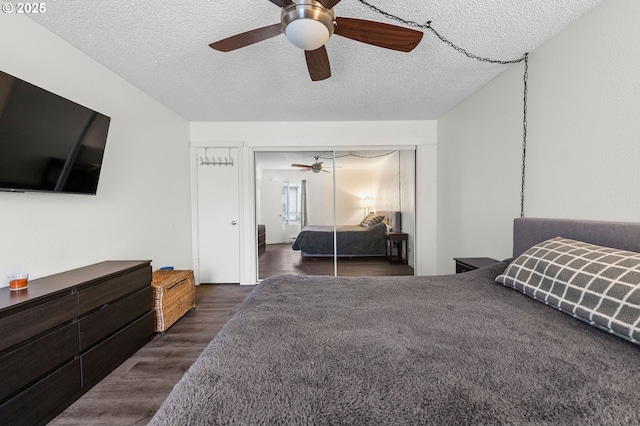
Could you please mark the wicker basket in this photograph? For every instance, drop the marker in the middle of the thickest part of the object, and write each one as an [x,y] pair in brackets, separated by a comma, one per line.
[174,294]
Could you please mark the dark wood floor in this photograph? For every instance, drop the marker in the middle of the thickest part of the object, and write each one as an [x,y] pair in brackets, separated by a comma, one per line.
[280,259]
[133,392]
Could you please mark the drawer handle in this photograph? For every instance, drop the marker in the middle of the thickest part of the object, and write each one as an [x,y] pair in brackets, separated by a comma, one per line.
[105,306]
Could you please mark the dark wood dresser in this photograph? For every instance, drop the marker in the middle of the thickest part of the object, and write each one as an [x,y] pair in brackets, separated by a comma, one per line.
[262,239]
[66,332]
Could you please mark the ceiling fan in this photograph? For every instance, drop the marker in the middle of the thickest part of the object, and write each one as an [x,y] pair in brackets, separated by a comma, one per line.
[308,24]
[315,167]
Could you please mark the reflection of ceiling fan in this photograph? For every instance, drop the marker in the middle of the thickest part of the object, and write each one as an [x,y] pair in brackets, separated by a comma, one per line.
[315,167]
[308,24]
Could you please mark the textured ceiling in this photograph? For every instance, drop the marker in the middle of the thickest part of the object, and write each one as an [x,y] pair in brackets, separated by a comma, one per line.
[162,47]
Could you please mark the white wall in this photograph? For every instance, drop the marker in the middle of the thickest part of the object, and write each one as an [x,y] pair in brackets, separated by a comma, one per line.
[387,184]
[142,210]
[315,134]
[351,187]
[583,145]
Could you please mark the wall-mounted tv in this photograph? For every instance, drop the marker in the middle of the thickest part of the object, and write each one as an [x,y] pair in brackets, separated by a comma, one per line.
[48,143]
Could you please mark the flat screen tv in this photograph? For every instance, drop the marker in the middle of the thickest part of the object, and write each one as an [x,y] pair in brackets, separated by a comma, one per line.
[48,143]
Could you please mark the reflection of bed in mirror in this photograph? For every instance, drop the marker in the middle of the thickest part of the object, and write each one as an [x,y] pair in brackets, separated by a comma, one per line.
[368,238]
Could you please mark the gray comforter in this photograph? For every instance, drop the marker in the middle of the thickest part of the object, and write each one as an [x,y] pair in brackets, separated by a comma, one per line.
[351,240]
[456,349]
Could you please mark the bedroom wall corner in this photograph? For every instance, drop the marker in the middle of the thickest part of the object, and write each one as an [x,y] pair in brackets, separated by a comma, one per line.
[582,147]
[142,209]
[479,153]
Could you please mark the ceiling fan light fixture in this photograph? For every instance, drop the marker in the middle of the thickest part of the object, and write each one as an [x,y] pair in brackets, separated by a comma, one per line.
[307,24]
[307,34]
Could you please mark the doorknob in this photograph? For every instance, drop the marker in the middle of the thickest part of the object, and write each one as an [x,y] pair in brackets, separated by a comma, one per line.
[233,222]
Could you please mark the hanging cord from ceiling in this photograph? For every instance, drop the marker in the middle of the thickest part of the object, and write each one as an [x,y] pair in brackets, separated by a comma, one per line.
[427,26]
[351,154]
[525,79]
[524,58]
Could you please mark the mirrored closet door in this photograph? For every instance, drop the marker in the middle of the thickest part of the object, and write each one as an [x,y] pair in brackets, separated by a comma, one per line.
[334,212]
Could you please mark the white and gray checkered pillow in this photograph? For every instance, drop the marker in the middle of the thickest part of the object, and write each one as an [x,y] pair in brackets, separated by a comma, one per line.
[372,219]
[598,285]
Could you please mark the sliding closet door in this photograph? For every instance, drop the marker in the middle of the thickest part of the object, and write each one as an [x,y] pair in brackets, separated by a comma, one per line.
[294,190]
[313,213]
[317,250]
[369,196]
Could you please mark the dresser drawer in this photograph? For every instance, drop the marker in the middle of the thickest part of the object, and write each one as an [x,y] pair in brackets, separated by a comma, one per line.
[27,323]
[105,357]
[45,399]
[27,363]
[97,295]
[99,324]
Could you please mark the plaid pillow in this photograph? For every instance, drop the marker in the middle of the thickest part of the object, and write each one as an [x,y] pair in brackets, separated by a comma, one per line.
[372,219]
[598,285]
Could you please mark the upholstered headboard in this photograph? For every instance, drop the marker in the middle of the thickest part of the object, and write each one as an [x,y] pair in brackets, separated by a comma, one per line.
[393,219]
[528,232]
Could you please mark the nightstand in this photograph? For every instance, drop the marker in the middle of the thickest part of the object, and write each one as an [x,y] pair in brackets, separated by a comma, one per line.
[465,264]
[399,240]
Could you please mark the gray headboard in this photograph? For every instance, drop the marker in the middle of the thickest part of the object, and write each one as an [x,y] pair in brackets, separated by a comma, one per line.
[528,232]
[393,219]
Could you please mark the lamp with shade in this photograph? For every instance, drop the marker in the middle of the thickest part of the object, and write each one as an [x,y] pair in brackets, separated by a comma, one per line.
[367,204]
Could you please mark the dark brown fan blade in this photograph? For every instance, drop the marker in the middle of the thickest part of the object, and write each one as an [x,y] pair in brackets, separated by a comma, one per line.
[248,38]
[378,34]
[318,63]
[300,165]
[281,3]
[329,3]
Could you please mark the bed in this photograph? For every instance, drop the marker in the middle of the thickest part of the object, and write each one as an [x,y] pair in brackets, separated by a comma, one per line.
[481,347]
[368,238]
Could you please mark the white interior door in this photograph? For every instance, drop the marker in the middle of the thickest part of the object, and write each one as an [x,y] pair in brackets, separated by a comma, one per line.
[218,215]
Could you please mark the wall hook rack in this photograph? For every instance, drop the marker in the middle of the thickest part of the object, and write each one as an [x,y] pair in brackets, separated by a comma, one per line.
[206,161]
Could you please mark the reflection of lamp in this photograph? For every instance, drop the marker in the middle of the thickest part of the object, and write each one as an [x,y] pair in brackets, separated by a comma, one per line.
[366,203]
[307,24]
